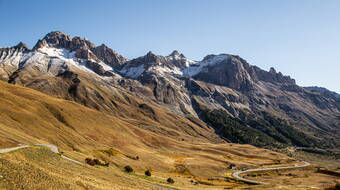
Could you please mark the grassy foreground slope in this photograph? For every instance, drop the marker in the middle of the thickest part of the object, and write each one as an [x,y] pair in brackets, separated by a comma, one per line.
[39,168]
[30,117]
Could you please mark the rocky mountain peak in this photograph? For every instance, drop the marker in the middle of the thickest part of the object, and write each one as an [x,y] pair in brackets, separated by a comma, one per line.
[54,34]
[83,48]
[150,58]
[272,70]
[109,56]
[223,69]
[177,54]
[212,56]
[55,39]
[174,53]
[9,52]
[78,42]
[21,47]
[150,54]
[234,72]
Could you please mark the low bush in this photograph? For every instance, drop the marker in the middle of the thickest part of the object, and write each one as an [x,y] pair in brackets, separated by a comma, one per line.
[133,157]
[170,180]
[90,162]
[93,162]
[97,162]
[232,166]
[147,173]
[128,169]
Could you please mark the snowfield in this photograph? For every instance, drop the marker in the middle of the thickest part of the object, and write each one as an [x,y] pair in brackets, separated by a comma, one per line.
[199,66]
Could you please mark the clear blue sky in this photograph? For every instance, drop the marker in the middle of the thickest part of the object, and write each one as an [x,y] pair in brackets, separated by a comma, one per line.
[300,38]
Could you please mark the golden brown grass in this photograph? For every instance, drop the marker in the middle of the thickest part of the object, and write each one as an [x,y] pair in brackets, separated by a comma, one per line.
[38,168]
[30,117]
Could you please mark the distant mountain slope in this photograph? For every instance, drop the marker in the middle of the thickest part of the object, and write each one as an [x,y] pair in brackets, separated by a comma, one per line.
[241,102]
[322,90]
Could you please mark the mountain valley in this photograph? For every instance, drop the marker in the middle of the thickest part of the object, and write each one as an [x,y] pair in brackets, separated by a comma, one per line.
[194,121]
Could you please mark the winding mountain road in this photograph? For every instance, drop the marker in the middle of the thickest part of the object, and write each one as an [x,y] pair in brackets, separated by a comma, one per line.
[51,147]
[236,174]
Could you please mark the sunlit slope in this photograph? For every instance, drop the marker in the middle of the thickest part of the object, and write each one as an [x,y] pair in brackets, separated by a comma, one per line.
[30,117]
[39,168]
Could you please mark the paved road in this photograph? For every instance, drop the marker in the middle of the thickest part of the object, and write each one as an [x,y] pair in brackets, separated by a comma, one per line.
[5,150]
[51,147]
[236,174]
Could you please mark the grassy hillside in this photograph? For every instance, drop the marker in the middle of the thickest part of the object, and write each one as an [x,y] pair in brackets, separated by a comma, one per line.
[170,147]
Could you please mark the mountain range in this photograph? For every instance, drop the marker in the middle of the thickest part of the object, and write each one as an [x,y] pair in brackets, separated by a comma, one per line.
[224,94]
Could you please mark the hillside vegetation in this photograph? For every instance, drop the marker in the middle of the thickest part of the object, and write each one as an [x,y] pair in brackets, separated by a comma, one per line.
[271,132]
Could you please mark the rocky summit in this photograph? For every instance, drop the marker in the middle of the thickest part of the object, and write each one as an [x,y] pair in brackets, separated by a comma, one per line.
[263,108]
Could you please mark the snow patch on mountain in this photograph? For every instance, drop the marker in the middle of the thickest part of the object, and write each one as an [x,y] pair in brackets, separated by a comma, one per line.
[7,58]
[63,54]
[58,52]
[190,68]
[194,69]
[188,62]
[133,72]
[165,69]
[105,67]
[69,56]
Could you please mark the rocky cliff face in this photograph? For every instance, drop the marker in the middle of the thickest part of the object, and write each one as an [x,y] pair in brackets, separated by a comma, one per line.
[268,103]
